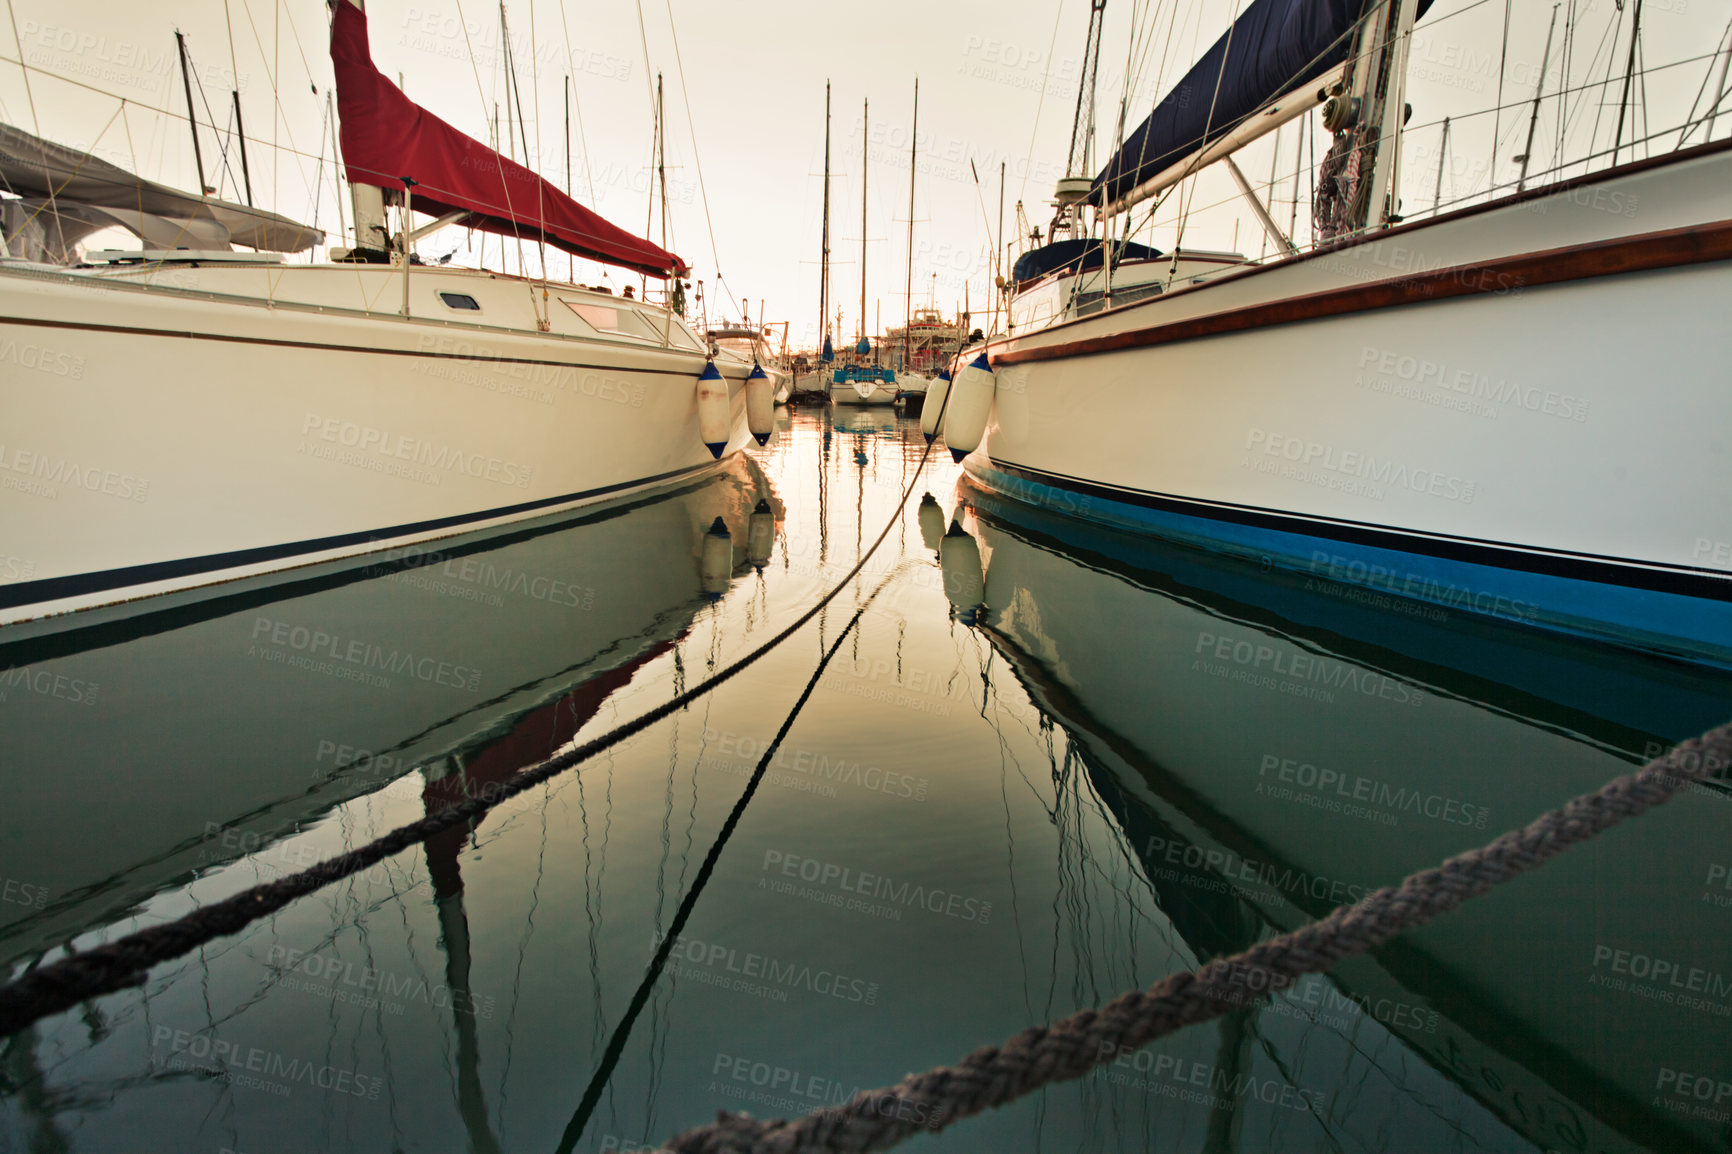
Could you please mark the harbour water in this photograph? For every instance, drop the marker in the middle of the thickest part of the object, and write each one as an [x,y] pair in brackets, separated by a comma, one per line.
[1016,790]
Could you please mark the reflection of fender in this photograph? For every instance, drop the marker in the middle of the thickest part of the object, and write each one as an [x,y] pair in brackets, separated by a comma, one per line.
[760,534]
[716,566]
[931,518]
[964,579]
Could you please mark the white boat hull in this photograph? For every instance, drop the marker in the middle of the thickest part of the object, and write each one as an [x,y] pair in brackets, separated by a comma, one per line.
[195,438]
[1552,453]
[847,394]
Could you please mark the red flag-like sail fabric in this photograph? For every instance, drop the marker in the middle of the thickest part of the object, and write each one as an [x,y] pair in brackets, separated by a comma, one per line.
[386,136]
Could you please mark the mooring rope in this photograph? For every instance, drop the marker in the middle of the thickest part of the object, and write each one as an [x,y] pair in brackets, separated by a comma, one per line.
[1069,1048]
[123,963]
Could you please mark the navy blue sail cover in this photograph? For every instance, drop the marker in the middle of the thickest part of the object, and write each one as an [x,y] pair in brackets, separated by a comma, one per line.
[1275,46]
[1074,256]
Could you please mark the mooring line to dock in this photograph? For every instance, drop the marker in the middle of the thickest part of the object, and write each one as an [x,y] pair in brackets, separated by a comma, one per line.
[1071,1047]
[123,963]
[653,972]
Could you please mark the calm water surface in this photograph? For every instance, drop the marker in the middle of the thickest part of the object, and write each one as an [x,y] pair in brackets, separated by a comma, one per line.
[1062,765]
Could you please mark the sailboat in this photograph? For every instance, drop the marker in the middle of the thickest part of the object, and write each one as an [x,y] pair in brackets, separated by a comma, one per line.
[861,383]
[1515,408]
[222,414]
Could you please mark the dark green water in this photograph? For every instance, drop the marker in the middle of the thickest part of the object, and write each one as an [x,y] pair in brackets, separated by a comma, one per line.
[1127,760]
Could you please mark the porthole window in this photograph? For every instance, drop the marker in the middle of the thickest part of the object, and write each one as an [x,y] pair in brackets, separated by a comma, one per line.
[460,301]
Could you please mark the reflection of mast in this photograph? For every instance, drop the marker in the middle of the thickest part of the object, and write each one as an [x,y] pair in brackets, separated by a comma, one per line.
[454,938]
[535,736]
[443,851]
[22,1081]
[1226,1119]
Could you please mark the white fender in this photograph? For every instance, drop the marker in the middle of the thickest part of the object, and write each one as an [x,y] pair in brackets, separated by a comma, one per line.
[760,404]
[714,411]
[970,405]
[932,412]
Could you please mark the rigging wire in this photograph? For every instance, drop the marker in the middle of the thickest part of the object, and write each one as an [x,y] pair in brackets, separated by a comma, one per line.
[577,108]
[668,940]
[697,156]
[1028,160]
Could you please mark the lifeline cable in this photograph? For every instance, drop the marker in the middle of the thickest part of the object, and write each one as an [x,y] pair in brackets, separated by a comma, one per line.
[1071,1047]
[664,949]
[121,964]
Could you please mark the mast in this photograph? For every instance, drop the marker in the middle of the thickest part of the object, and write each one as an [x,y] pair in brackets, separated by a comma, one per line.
[570,260]
[662,155]
[913,158]
[1082,130]
[865,157]
[1534,116]
[994,267]
[824,261]
[1386,174]
[191,120]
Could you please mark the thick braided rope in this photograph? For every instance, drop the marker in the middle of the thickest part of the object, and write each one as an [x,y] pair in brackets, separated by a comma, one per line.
[1069,1048]
[121,964]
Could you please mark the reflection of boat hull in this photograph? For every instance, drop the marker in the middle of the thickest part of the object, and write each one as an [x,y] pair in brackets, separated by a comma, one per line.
[244,718]
[1409,413]
[216,430]
[1223,721]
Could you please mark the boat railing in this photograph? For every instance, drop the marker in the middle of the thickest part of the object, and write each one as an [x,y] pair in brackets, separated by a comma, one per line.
[1447,163]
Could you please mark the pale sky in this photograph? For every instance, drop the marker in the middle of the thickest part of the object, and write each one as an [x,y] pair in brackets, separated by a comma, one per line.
[754,78]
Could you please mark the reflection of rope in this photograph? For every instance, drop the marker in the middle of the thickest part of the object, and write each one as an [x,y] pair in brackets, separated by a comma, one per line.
[120,964]
[1071,1047]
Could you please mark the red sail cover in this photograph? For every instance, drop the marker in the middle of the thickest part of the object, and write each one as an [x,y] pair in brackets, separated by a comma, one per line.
[387,136]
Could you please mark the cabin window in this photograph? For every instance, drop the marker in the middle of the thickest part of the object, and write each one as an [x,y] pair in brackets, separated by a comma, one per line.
[460,301]
[621,320]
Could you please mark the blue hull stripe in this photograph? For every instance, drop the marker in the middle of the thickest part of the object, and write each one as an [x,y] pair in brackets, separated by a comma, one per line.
[55,588]
[1673,610]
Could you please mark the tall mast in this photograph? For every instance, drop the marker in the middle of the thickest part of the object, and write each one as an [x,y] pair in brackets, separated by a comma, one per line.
[913,157]
[994,266]
[1387,124]
[1539,91]
[1082,130]
[570,260]
[824,262]
[865,156]
[662,155]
